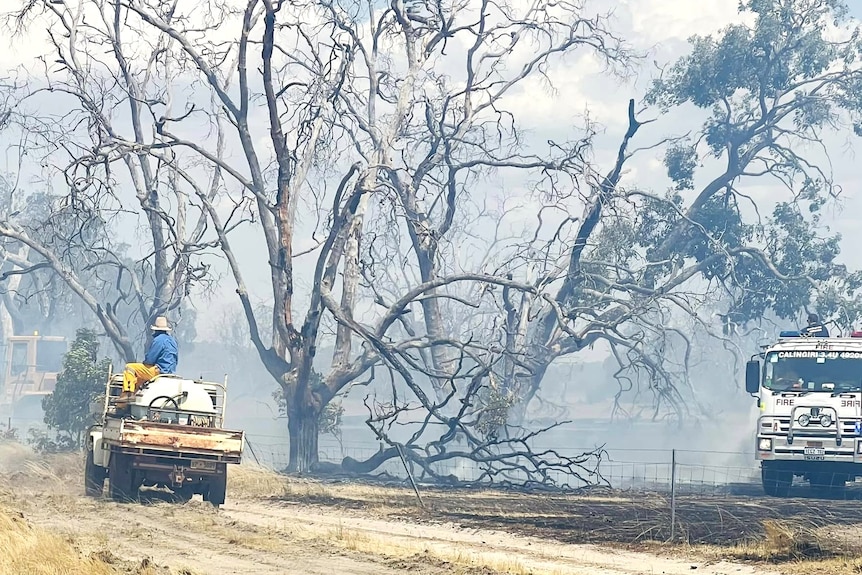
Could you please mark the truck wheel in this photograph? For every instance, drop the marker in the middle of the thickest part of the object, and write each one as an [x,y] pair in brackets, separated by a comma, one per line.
[216,490]
[839,481]
[776,483]
[838,487]
[183,494]
[121,483]
[829,484]
[94,477]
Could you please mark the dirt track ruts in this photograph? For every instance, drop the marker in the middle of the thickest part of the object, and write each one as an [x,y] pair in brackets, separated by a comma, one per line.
[259,536]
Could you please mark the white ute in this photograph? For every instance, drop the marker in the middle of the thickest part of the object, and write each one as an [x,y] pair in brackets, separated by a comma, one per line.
[167,434]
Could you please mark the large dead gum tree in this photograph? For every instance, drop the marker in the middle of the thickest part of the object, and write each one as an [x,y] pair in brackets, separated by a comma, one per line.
[89,116]
[371,114]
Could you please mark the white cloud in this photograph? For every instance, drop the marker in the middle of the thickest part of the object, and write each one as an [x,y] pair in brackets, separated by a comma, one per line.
[662,21]
[582,84]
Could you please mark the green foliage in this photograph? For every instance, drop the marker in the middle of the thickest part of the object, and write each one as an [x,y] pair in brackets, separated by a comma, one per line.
[799,252]
[766,85]
[330,419]
[771,88]
[791,240]
[681,160]
[786,46]
[43,442]
[495,404]
[81,381]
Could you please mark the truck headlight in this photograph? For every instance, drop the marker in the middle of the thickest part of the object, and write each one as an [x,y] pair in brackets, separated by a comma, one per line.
[765,444]
[859,447]
[825,420]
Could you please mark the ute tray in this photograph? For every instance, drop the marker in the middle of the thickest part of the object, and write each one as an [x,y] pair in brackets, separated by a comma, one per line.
[149,437]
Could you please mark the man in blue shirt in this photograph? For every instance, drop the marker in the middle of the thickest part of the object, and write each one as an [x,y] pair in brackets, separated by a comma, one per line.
[161,357]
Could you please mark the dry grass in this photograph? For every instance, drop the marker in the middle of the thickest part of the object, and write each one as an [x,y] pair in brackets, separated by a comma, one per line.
[20,461]
[28,481]
[249,481]
[797,545]
[788,540]
[12,452]
[460,559]
[28,550]
[31,551]
[781,541]
[799,548]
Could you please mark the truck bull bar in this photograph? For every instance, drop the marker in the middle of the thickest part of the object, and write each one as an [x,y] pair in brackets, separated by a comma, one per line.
[836,421]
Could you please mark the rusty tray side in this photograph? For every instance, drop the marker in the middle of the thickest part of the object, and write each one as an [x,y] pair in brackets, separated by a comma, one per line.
[145,434]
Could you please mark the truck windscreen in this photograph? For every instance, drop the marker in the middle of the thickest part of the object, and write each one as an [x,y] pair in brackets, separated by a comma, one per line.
[829,371]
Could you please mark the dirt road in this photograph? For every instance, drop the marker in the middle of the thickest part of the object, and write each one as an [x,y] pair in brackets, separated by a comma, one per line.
[257,536]
[496,550]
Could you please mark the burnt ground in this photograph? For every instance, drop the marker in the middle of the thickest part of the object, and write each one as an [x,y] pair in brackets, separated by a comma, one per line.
[274,524]
[606,516]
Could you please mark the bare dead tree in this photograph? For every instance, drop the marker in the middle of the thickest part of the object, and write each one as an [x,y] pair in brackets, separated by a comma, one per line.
[440,448]
[358,107]
[111,165]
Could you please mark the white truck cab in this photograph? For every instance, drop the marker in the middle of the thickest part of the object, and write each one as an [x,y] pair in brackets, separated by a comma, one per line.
[809,392]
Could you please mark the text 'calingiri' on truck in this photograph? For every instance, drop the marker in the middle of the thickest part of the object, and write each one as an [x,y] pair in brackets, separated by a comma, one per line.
[169,433]
[809,391]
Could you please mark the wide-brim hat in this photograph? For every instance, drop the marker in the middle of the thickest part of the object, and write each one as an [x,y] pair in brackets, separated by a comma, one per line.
[161,324]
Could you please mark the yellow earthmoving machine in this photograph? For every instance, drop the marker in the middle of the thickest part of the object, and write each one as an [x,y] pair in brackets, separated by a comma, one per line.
[31,365]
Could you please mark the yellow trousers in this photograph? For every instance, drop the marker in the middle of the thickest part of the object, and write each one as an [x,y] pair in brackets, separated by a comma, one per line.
[136,374]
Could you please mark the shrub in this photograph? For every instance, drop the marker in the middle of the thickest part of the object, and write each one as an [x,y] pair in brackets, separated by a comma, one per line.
[80,382]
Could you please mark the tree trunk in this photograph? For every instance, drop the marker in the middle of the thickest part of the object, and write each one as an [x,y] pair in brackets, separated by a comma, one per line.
[303,425]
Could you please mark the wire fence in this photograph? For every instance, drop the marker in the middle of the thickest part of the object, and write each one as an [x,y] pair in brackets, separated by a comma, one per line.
[684,471]
[658,470]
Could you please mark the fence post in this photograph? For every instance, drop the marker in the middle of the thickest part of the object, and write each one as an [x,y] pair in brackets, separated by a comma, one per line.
[409,475]
[673,495]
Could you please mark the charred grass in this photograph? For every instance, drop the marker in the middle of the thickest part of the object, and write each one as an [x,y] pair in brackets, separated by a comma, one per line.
[794,532]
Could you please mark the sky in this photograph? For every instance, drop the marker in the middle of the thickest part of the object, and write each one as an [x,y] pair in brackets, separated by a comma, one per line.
[660,26]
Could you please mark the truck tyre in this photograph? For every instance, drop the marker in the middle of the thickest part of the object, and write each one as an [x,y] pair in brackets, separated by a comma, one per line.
[216,491]
[832,485]
[94,477]
[776,482]
[183,494]
[121,483]
[838,486]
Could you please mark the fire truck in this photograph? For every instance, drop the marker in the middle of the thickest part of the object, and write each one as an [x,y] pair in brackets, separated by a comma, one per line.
[809,392]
